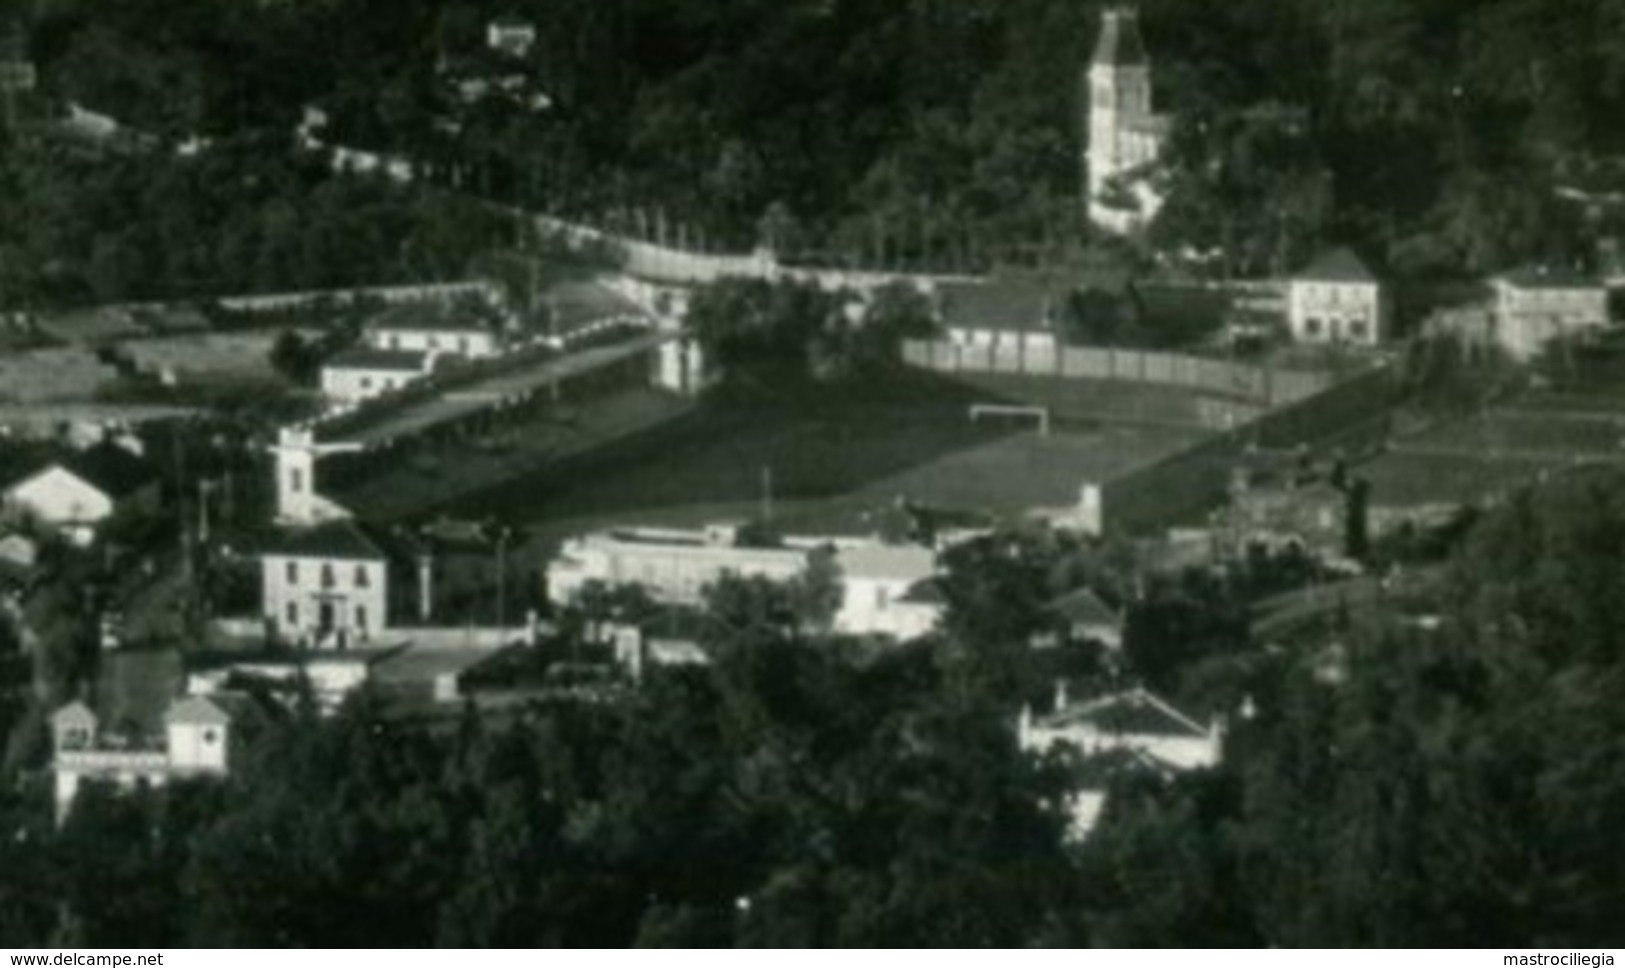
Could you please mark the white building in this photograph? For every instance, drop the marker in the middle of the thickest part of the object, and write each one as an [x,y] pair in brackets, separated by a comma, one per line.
[1337,299]
[888,590]
[299,503]
[1533,306]
[672,566]
[451,329]
[364,372]
[326,585]
[1125,135]
[197,741]
[77,493]
[1130,730]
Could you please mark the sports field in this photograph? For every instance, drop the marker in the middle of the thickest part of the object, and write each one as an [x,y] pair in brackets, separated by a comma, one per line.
[824,463]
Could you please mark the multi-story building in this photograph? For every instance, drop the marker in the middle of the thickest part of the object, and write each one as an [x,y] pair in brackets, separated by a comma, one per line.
[1337,299]
[1125,135]
[326,585]
[1536,305]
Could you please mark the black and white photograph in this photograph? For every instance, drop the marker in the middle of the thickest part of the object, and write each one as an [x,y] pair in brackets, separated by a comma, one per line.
[1012,474]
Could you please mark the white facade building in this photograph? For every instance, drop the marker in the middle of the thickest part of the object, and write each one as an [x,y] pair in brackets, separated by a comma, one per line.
[362,373]
[196,742]
[888,590]
[435,329]
[1534,306]
[672,566]
[1337,299]
[77,493]
[1130,730]
[326,585]
[1125,135]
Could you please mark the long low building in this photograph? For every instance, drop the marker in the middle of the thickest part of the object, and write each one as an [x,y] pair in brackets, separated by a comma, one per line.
[887,590]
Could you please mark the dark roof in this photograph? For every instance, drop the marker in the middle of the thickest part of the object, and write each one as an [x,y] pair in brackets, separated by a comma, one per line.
[1120,44]
[927,591]
[430,317]
[1083,606]
[1018,306]
[111,469]
[368,358]
[1337,265]
[344,540]
[1548,277]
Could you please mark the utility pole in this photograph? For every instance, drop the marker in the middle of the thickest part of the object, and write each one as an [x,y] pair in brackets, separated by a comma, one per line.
[767,493]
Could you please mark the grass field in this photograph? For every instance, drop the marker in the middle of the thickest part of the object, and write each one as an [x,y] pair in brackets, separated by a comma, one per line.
[831,459]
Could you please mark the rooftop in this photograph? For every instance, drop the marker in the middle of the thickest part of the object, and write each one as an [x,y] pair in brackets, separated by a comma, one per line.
[343,540]
[368,358]
[107,467]
[1083,606]
[429,317]
[1336,265]
[1003,305]
[1547,277]
[908,563]
[1133,713]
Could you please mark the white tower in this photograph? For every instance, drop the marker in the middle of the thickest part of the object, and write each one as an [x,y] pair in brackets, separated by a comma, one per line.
[297,501]
[1124,134]
[197,731]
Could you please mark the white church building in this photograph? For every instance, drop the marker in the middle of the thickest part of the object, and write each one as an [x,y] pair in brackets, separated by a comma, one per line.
[1125,136]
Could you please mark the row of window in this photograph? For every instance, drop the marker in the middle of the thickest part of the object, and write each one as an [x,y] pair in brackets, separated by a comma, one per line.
[1357,328]
[361,579]
[292,615]
[462,344]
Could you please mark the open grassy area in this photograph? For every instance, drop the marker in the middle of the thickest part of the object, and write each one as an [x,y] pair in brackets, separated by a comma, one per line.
[831,458]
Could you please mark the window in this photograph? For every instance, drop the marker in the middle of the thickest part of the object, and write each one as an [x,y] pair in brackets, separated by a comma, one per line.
[434,342]
[394,342]
[327,576]
[292,572]
[210,737]
[361,580]
[1312,327]
[1358,329]
[462,345]
[293,614]
[366,383]
[296,480]
[361,617]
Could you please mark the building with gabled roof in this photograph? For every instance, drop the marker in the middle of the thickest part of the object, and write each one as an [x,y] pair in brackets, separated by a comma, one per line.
[1109,735]
[1337,299]
[77,492]
[1003,315]
[888,590]
[1086,617]
[327,585]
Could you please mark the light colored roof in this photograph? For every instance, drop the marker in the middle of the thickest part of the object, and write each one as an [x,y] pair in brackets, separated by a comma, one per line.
[1133,713]
[75,713]
[196,711]
[1083,606]
[904,563]
[428,317]
[1336,265]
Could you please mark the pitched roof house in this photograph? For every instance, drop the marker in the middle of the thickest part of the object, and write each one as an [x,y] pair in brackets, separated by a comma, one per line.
[77,492]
